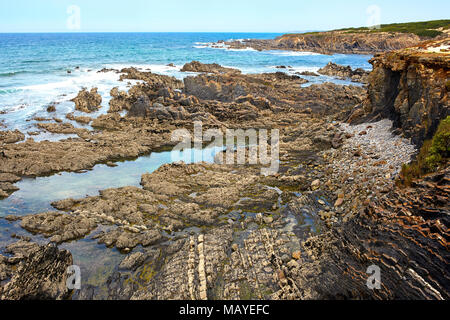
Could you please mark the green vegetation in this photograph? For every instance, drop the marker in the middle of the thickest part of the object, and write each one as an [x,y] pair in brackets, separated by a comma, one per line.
[432,155]
[422,29]
[426,29]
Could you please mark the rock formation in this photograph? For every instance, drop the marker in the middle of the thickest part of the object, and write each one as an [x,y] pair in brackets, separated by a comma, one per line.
[196,66]
[341,72]
[410,87]
[332,42]
[87,101]
[34,272]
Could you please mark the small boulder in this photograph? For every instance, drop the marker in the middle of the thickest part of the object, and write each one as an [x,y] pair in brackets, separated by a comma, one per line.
[87,101]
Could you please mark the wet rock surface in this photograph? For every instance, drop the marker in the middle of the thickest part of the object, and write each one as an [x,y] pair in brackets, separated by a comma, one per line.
[7,137]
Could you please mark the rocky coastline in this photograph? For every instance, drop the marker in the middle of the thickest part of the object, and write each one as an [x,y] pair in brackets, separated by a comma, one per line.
[214,231]
[363,40]
[329,42]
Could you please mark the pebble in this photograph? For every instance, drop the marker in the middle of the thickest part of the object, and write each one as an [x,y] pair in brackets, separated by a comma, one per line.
[296,255]
[292,264]
[315,184]
[268,220]
[339,202]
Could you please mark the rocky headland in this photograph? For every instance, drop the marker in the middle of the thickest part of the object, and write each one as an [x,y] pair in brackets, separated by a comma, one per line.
[349,41]
[216,231]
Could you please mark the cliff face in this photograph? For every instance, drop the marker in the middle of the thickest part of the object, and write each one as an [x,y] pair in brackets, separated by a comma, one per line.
[330,42]
[340,42]
[411,87]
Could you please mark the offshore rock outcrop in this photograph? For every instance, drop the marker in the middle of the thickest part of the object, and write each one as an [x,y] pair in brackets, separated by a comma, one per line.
[410,87]
[151,79]
[87,101]
[341,72]
[196,66]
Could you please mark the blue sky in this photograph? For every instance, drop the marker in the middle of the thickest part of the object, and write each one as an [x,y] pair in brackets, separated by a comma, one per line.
[208,16]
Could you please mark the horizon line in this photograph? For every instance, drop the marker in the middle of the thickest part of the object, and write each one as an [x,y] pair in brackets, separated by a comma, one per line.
[81,32]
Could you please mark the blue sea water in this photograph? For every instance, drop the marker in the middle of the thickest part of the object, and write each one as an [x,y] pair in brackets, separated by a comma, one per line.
[33,67]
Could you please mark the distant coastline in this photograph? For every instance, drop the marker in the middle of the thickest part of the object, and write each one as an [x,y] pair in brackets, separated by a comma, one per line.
[361,40]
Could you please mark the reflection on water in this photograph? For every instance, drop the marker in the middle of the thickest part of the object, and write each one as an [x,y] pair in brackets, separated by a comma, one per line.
[36,194]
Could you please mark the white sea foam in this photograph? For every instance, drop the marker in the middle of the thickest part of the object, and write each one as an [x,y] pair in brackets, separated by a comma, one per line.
[245,49]
[221,46]
[300,69]
[292,53]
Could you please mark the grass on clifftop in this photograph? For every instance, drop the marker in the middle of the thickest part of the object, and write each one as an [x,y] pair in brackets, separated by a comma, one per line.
[432,155]
[422,29]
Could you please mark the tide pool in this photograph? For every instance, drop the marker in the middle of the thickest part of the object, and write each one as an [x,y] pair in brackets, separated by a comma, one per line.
[36,194]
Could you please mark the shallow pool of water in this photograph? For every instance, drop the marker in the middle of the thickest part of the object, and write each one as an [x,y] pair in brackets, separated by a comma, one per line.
[36,194]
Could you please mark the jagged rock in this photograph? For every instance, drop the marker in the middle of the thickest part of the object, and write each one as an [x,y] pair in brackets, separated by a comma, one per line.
[35,273]
[409,87]
[398,233]
[58,226]
[196,66]
[332,42]
[150,78]
[140,107]
[11,136]
[82,120]
[87,101]
[335,70]
[51,108]
[308,73]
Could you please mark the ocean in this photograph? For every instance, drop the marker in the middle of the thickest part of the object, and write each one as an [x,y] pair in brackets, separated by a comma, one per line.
[34,67]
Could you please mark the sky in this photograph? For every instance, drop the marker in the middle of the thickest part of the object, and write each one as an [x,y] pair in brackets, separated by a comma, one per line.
[210,15]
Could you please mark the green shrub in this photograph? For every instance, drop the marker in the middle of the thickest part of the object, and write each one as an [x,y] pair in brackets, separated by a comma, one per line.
[422,29]
[432,155]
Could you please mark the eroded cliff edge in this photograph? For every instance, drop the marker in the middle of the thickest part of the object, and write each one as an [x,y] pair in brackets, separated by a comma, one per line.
[409,86]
